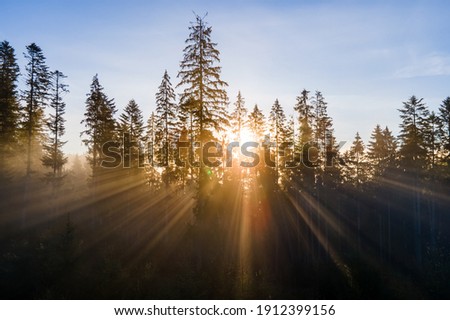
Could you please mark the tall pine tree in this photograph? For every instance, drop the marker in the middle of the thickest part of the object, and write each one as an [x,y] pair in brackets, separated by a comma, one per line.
[131,124]
[381,150]
[238,116]
[166,120]
[204,94]
[413,150]
[9,102]
[323,123]
[37,81]
[356,157]
[100,126]
[256,123]
[277,119]
[200,77]
[54,157]
[305,118]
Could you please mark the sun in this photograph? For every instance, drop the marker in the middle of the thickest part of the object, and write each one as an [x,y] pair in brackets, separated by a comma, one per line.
[245,135]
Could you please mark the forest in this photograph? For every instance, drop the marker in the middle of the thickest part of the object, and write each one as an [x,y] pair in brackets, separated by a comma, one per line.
[209,198]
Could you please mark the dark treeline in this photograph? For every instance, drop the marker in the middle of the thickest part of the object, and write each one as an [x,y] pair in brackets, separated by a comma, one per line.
[145,215]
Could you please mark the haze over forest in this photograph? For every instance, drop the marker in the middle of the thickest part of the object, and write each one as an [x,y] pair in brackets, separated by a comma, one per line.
[211,195]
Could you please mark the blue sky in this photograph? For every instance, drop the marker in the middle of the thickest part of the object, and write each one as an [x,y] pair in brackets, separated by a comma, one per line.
[365,57]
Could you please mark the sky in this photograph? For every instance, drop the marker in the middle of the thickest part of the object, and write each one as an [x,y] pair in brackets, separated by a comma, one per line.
[365,57]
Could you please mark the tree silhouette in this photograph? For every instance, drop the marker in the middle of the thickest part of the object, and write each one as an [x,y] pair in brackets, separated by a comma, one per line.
[131,124]
[277,120]
[238,116]
[413,150]
[356,157]
[9,104]
[54,157]
[204,92]
[167,121]
[200,76]
[256,123]
[305,118]
[35,96]
[100,126]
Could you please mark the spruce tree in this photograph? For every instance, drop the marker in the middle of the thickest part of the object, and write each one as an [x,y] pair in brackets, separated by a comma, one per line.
[54,157]
[131,124]
[166,120]
[323,123]
[356,155]
[9,102]
[100,126]
[238,116]
[277,119]
[256,126]
[381,150]
[200,76]
[305,118]
[37,81]
[413,157]
[256,123]
[203,93]
[377,150]
[413,150]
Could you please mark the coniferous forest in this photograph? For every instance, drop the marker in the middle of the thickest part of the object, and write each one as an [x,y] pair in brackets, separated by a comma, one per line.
[208,197]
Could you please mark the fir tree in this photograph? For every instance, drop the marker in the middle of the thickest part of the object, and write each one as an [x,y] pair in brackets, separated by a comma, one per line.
[305,118]
[323,123]
[54,157]
[256,121]
[35,95]
[238,116]
[413,150]
[167,118]
[200,77]
[100,125]
[131,124]
[356,155]
[9,104]
[377,150]
[204,93]
[277,119]
[413,153]
[381,150]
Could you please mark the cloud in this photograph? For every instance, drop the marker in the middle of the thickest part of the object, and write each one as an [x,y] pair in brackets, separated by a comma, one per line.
[433,64]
